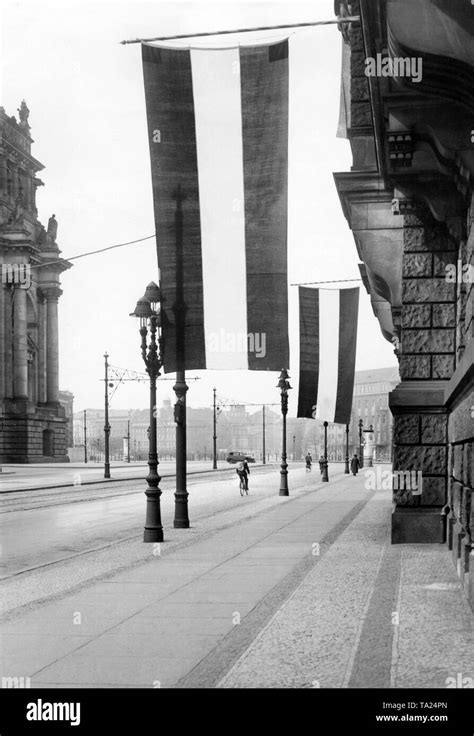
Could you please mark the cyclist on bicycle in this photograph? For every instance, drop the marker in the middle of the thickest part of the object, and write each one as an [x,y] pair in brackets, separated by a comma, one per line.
[243,472]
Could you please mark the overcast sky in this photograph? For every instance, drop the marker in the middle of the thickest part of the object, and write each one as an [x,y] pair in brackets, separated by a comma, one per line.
[87,116]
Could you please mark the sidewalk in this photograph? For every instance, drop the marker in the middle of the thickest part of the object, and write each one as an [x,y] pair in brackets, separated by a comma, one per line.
[305,592]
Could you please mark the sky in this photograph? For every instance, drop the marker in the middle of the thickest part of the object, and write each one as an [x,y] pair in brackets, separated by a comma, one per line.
[87,115]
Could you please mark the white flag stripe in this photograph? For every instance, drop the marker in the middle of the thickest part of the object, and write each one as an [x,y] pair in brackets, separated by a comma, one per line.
[218,119]
[328,353]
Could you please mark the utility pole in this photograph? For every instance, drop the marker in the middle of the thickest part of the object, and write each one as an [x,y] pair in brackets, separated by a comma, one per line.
[85,436]
[214,436]
[106,422]
[263,435]
[181,513]
[128,441]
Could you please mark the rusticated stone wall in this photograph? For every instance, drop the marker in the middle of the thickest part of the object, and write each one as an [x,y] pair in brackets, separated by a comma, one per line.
[461,425]
[22,438]
[420,445]
[428,339]
[427,359]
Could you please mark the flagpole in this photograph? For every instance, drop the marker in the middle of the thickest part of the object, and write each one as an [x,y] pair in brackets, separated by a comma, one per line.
[338,21]
[332,281]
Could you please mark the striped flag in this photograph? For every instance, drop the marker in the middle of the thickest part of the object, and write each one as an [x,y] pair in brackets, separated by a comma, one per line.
[218,135]
[328,338]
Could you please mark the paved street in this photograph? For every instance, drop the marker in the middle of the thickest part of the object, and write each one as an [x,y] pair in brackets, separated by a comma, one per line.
[304,591]
[17,477]
[40,528]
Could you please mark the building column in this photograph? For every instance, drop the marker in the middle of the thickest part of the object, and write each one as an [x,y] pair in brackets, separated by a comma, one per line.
[20,344]
[3,347]
[15,181]
[52,345]
[3,175]
[427,357]
[41,348]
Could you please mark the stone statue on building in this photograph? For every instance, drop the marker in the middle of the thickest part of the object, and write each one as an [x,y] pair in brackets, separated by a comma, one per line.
[23,114]
[52,227]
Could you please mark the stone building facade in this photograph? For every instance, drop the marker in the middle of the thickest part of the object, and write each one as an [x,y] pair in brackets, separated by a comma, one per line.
[370,403]
[33,423]
[408,93]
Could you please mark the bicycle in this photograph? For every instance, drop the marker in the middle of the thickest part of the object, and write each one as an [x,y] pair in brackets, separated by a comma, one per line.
[242,486]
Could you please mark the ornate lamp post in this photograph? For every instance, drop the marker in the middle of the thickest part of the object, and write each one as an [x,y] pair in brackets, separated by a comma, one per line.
[346,465]
[325,475]
[148,312]
[284,386]
[361,444]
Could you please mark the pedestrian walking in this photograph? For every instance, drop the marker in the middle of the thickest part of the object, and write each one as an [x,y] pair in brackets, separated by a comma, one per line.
[355,464]
[309,460]
[321,464]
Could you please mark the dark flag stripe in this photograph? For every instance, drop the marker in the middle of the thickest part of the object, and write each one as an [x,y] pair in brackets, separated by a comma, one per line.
[172,140]
[264,102]
[309,351]
[348,312]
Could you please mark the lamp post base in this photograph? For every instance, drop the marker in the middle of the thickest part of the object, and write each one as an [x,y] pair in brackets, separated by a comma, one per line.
[181,519]
[346,466]
[153,530]
[325,476]
[153,535]
[284,480]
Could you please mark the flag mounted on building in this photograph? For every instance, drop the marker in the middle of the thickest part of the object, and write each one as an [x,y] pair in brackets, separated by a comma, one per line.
[328,338]
[218,135]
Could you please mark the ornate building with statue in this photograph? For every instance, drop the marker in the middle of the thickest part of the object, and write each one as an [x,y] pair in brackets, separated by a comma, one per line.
[33,425]
[408,111]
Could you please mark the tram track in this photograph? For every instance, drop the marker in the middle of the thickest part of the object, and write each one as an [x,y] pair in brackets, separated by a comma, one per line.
[44,498]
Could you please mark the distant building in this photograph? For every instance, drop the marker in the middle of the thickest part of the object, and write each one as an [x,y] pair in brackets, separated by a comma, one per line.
[33,419]
[370,403]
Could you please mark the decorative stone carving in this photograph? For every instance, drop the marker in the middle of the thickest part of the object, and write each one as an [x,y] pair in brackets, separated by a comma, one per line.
[52,227]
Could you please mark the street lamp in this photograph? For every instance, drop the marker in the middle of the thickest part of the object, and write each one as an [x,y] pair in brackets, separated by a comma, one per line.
[284,386]
[325,476]
[294,443]
[361,446]
[346,466]
[147,311]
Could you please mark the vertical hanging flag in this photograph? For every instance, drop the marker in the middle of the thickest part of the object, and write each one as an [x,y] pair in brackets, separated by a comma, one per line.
[218,135]
[328,338]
